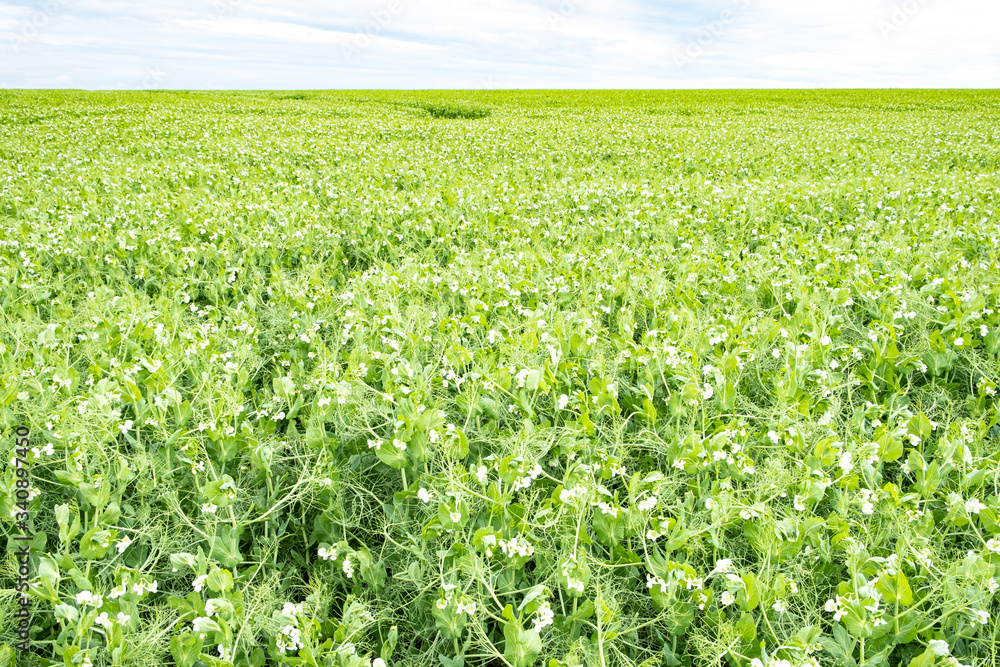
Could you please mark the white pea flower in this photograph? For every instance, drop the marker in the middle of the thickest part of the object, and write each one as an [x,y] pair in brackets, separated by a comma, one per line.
[543,616]
[973,506]
[723,565]
[88,598]
[652,580]
[213,605]
[123,544]
[939,647]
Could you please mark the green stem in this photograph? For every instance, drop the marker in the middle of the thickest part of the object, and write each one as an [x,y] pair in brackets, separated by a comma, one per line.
[600,631]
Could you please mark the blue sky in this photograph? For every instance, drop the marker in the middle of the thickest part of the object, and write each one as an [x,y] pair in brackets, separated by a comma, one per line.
[295,44]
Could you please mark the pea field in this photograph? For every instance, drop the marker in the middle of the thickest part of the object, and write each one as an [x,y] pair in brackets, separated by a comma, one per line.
[500,378]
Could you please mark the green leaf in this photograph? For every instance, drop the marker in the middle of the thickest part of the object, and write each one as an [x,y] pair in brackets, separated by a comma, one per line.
[925,659]
[895,589]
[522,646]
[95,543]
[840,657]
[919,426]
[890,448]
[908,624]
[584,611]
[389,645]
[392,457]
[284,387]
[747,627]
[749,597]
[315,434]
[669,657]
[48,574]
[67,530]
[221,492]
[844,639]
[532,380]
[220,581]
[226,548]
[186,649]
[532,593]
[457,661]
[67,613]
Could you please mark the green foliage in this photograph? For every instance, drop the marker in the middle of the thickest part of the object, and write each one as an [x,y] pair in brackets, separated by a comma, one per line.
[454,111]
[622,378]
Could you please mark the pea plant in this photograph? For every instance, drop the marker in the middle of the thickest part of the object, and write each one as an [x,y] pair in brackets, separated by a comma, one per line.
[628,379]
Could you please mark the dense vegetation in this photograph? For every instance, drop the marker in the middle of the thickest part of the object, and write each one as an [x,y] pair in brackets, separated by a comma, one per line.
[502,378]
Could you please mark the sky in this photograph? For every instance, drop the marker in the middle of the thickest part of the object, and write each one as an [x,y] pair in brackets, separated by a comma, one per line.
[497,44]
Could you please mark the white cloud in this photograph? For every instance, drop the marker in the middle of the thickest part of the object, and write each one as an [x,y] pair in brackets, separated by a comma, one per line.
[500,43]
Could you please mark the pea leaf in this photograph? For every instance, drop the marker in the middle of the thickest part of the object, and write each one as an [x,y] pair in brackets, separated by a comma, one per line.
[895,589]
[186,649]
